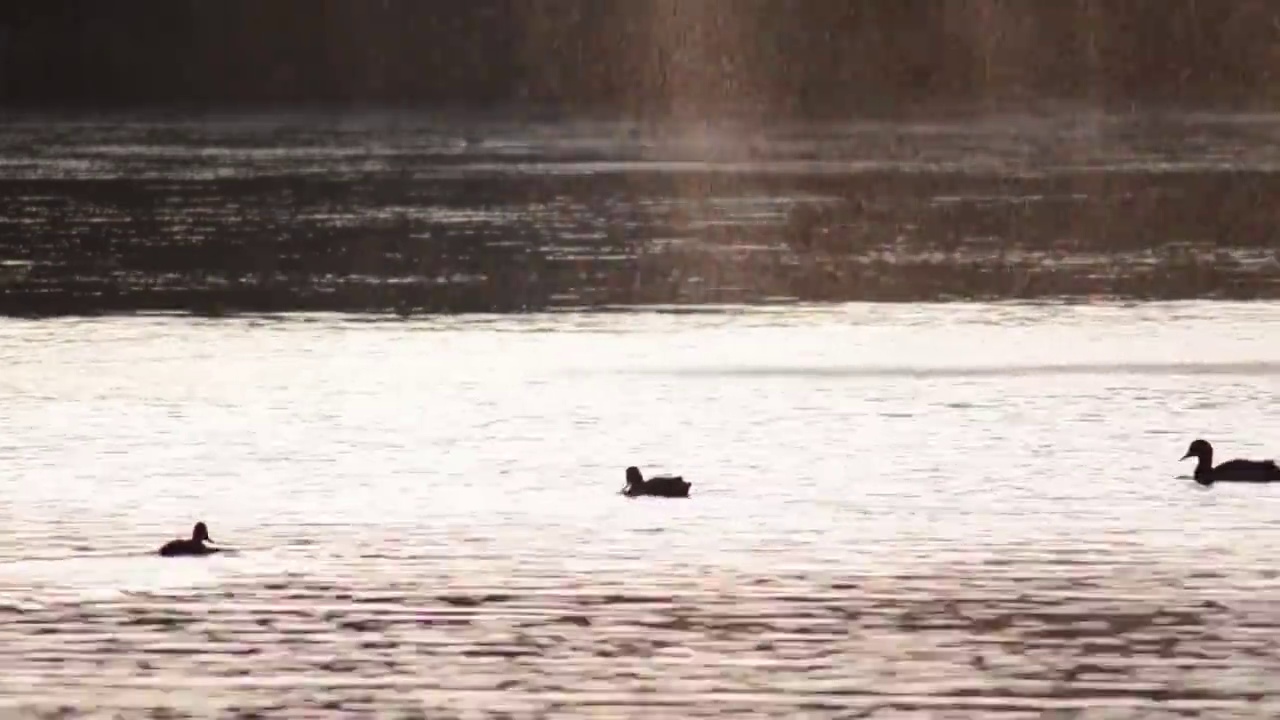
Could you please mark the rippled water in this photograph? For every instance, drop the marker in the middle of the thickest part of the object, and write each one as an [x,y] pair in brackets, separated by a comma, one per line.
[415,213]
[945,511]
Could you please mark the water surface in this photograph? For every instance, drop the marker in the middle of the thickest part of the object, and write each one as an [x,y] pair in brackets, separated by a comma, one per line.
[423,213]
[961,510]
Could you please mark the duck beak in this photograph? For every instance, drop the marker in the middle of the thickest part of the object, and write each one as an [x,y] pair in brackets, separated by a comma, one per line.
[1184,457]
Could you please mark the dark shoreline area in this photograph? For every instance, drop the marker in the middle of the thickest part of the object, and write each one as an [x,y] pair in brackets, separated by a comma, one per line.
[648,57]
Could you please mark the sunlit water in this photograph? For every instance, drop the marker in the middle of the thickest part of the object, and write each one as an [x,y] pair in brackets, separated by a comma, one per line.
[898,511]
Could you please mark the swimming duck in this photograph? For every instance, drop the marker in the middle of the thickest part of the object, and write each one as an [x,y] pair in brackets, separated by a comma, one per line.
[660,486]
[1250,471]
[194,546]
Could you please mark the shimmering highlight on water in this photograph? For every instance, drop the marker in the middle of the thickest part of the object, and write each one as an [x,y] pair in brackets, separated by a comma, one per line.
[418,213]
[898,511]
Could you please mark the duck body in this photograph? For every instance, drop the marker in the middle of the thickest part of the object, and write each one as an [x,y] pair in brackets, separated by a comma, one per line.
[657,486]
[1240,471]
[190,547]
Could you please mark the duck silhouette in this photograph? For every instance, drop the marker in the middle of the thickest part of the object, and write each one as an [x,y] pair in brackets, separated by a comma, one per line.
[658,486]
[190,547]
[1248,471]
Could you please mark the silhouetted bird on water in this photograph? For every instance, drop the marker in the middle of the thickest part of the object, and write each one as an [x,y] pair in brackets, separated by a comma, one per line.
[1249,471]
[194,546]
[660,486]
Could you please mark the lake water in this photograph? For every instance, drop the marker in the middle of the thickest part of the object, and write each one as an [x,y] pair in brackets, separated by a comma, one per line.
[898,511]
[422,213]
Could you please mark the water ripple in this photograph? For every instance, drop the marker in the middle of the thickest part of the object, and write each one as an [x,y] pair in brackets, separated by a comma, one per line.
[898,511]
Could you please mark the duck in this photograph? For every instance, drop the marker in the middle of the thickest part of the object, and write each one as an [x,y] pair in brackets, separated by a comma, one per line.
[194,546]
[658,486]
[1249,471]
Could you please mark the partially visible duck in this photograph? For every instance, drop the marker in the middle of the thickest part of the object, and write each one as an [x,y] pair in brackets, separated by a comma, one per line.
[1249,471]
[660,486]
[194,546]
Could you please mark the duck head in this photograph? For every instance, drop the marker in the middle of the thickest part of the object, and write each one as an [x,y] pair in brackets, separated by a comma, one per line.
[200,533]
[635,481]
[1199,449]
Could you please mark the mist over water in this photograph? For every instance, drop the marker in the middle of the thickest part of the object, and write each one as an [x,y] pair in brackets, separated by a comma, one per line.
[925,299]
